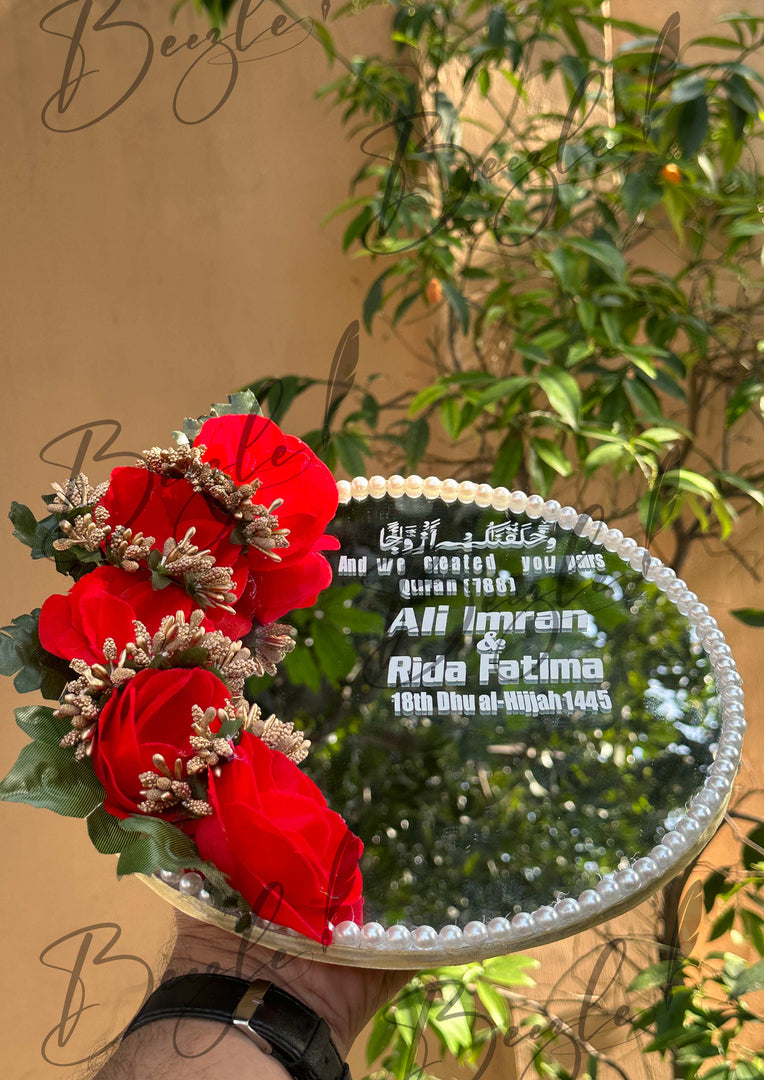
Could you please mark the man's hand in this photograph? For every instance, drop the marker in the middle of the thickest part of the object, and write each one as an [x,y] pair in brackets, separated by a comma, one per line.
[345,997]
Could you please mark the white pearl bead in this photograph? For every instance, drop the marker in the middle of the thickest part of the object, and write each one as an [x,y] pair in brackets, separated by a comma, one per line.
[567,909]
[612,539]
[347,933]
[650,568]
[736,723]
[627,880]
[567,517]
[377,487]
[684,603]
[475,932]
[204,896]
[500,498]
[675,841]
[707,797]
[640,560]
[676,589]
[343,491]
[170,877]
[661,856]
[626,548]
[373,933]
[499,927]
[592,529]
[517,501]
[451,935]
[398,937]
[425,937]
[645,868]
[544,917]
[608,890]
[483,494]
[431,487]
[396,486]
[697,612]
[723,767]
[467,491]
[664,577]
[550,510]
[191,884]
[449,490]
[589,901]
[522,923]
[414,486]
[701,813]
[688,827]
[718,783]
[534,506]
[359,485]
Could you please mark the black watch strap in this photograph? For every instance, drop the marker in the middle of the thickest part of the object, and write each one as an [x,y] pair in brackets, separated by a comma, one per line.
[276,1021]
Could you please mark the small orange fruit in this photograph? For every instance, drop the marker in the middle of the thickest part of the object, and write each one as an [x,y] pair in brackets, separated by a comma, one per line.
[672,173]
[433,291]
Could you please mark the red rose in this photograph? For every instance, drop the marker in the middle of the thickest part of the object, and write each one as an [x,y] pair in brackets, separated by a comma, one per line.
[164,507]
[151,715]
[104,604]
[285,851]
[249,447]
[271,595]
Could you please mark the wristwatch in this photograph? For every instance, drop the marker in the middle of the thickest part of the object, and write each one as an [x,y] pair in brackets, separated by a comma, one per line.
[276,1021]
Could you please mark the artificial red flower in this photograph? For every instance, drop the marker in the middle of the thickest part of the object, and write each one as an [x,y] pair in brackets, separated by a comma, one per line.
[284,850]
[164,507]
[250,447]
[104,603]
[150,715]
[269,596]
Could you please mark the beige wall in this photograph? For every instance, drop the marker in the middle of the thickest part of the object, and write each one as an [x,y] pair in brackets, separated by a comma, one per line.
[148,267]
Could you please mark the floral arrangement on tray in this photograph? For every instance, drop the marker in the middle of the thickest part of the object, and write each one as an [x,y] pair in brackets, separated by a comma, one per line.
[182,566]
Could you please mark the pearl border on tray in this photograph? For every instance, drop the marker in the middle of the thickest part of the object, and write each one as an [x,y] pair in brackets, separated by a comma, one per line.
[685,831]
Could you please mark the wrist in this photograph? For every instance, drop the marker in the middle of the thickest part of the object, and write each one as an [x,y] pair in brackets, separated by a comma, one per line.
[202,949]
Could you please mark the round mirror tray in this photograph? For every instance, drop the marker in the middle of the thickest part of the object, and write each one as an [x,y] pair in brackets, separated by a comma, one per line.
[529,720]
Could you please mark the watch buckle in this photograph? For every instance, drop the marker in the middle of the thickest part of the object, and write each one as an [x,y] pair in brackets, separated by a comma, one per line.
[251,1000]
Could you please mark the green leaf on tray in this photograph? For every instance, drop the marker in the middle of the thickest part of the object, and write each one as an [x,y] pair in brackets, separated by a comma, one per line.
[40,724]
[24,523]
[243,403]
[51,777]
[22,654]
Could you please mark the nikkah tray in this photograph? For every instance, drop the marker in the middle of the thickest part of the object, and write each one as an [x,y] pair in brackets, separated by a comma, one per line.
[538,724]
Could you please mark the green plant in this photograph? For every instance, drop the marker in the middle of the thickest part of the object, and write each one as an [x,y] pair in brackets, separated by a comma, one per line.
[567,355]
[701,1017]
[463,1008]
